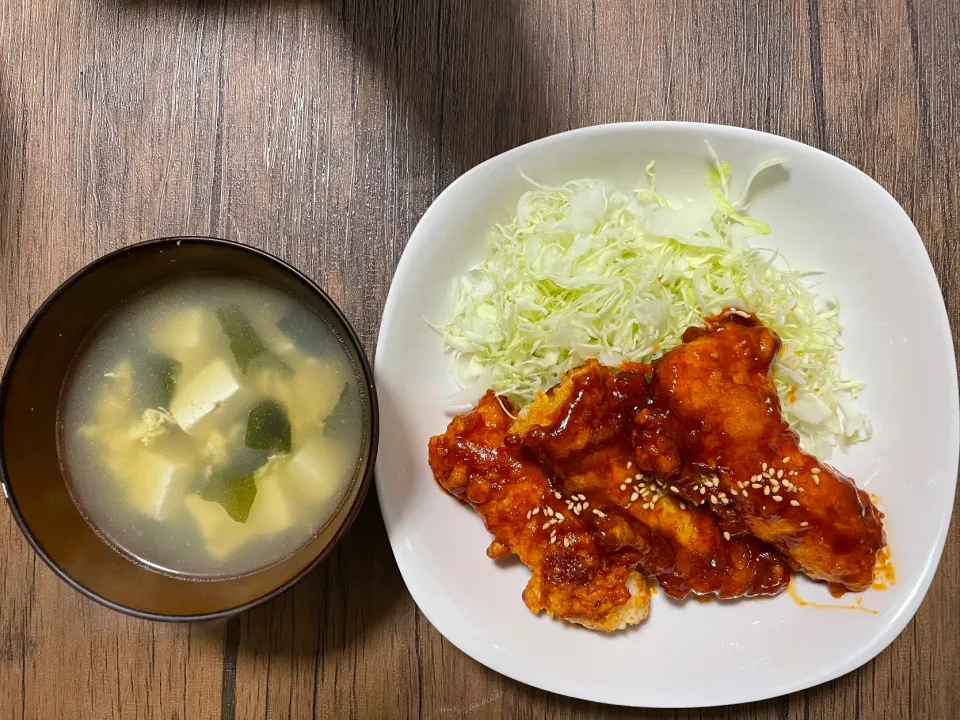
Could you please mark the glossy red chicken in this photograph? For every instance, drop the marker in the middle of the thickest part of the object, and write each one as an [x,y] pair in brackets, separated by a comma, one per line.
[714,430]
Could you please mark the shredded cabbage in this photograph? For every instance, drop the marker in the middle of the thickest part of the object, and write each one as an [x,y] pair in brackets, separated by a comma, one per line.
[585,270]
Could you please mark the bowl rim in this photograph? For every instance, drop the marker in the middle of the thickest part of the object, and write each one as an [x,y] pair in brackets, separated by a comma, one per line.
[175,241]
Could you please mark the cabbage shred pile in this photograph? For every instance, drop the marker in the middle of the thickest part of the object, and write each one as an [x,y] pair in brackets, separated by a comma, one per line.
[586,271]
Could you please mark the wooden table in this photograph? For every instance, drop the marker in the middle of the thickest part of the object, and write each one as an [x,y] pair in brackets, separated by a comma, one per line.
[322,130]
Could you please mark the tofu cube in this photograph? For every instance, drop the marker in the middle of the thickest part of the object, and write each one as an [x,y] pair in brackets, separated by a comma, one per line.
[272,512]
[317,471]
[154,485]
[180,334]
[203,393]
[221,533]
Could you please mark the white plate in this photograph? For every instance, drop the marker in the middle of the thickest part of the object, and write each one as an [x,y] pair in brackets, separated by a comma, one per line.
[827,215]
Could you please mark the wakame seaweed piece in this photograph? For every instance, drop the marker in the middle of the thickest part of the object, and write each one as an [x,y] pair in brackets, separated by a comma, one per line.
[235,493]
[155,379]
[245,343]
[295,325]
[268,428]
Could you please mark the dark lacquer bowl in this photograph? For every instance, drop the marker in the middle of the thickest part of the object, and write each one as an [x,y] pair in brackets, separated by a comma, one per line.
[33,480]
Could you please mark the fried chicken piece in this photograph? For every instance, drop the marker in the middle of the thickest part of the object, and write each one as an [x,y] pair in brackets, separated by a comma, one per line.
[715,406]
[581,431]
[573,578]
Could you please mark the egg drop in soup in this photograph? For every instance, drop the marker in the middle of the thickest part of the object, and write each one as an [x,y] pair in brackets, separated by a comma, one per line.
[211,426]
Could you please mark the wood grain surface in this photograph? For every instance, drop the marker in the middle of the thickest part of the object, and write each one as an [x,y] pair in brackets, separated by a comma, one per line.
[321,130]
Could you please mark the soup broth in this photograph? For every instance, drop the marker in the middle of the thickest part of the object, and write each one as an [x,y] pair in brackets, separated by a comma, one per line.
[211,426]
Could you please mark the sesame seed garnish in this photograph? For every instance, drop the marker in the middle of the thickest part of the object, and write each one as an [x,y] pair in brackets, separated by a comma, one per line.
[599,513]
[713,499]
[545,526]
[634,497]
[629,464]
[804,524]
[733,491]
[726,536]
[756,486]
[536,510]
[814,471]
[566,542]
[578,508]
[816,480]
[795,503]
[548,511]
[777,498]
[673,488]
[786,460]
[703,490]
[623,486]
[528,514]
[683,506]
[638,476]
[559,517]
[553,539]
[764,467]
[586,505]
[766,491]
[779,473]
[558,496]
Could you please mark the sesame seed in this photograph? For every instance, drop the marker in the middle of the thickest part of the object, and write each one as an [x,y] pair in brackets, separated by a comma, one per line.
[599,514]
[566,542]
[623,486]
[634,497]
[647,506]
[536,510]
[559,517]
[548,511]
[703,490]
[756,486]
[638,476]
[713,499]
[786,459]
[586,505]
[779,473]
[629,464]
[804,524]
[545,526]
[778,498]
[683,506]
[795,503]
[673,489]
[628,505]
[764,467]
[528,514]
[816,480]
[558,496]
[581,496]
[726,536]
[733,491]
[815,471]
[578,508]
[766,491]
[628,481]
[553,539]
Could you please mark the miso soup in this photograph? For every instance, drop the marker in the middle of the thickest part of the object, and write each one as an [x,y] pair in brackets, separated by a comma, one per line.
[211,426]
